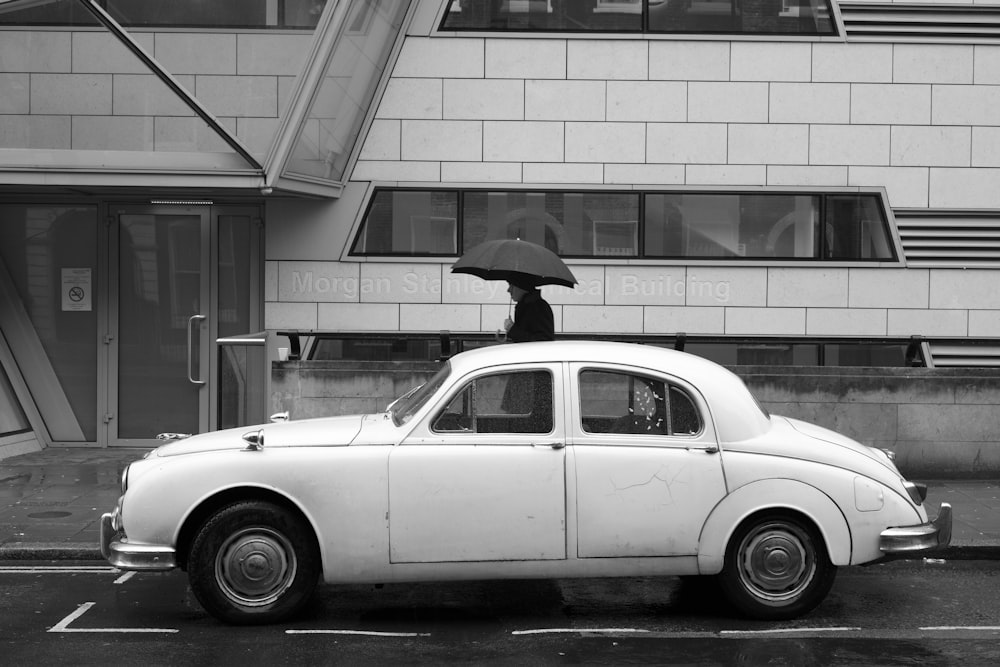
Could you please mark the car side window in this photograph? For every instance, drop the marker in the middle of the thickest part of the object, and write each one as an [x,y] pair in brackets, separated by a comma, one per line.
[517,402]
[615,402]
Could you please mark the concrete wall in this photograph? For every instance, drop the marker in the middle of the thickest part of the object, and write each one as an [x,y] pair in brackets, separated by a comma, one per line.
[941,422]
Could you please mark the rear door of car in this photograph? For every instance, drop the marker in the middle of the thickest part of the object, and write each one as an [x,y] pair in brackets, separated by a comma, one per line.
[483,478]
[646,462]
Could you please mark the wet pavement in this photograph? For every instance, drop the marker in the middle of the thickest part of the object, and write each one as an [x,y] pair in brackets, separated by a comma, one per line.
[51,504]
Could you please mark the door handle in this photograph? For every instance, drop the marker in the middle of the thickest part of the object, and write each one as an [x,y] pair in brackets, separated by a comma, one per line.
[550,445]
[190,342]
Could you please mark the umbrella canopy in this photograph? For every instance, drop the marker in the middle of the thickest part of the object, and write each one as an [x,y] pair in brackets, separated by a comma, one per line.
[516,261]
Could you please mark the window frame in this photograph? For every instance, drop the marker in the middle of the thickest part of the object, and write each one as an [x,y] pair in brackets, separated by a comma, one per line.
[469,384]
[878,194]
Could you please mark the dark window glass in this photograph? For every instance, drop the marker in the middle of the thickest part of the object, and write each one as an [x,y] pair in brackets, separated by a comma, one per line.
[702,225]
[801,17]
[865,355]
[545,15]
[574,224]
[731,225]
[410,222]
[758,353]
[177,13]
[798,17]
[518,402]
[612,402]
[854,229]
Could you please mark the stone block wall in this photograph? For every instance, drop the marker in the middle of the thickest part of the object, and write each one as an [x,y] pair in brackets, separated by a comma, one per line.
[942,423]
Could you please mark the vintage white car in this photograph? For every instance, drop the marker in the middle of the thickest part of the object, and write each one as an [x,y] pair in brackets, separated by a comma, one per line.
[534,460]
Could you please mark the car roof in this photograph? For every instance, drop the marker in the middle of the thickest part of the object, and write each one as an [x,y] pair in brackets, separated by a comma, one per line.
[737,414]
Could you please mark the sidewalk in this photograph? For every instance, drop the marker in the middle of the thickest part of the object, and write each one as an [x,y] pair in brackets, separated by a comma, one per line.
[51,504]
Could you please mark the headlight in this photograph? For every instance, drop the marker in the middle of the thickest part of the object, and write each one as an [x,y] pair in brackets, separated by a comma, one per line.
[918,492]
[891,455]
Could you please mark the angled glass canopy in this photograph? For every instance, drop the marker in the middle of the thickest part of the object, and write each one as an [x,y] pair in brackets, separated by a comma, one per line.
[354,41]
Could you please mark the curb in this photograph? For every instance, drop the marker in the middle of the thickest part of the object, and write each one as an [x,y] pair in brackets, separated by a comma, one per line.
[50,551]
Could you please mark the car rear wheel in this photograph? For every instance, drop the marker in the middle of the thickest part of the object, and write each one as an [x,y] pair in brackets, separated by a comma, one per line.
[776,567]
[253,562]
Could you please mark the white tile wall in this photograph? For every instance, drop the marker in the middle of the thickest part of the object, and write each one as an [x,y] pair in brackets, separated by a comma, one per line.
[927,322]
[846,321]
[36,132]
[238,95]
[810,103]
[772,143]
[726,174]
[454,58]
[639,174]
[927,146]
[932,63]
[690,319]
[986,68]
[820,177]
[526,59]
[271,53]
[390,170]
[969,288]
[193,53]
[603,319]
[984,323]
[986,147]
[888,288]
[551,172]
[401,283]
[36,51]
[101,53]
[771,61]
[849,144]
[278,315]
[647,101]
[532,141]
[484,99]
[146,95]
[481,172]
[442,140]
[15,90]
[964,188]
[811,287]
[852,63]
[710,102]
[605,142]
[564,100]
[412,98]
[965,105]
[686,143]
[689,61]
[726,286]
[71,94]
[358,316]
[383,141]
[319,282]
[607,59]
[766,321]
[906,187]
[882,104]
[450,317]
[640,285]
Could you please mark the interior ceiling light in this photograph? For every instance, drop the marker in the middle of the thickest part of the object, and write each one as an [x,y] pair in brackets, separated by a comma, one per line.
[182,202]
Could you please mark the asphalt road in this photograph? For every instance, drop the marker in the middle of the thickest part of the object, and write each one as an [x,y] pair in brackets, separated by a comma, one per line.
[904,613]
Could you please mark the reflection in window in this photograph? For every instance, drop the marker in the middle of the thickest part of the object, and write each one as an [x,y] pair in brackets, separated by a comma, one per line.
[175,13]
[545,15]
[12,418]
[567,223]
[795,17]
[732,225]
[519,402]
[612,402]
[410,222]
[352,73]
[676,225]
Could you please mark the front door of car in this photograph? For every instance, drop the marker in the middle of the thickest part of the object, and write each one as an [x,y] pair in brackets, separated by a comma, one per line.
[483,477]
[648,469]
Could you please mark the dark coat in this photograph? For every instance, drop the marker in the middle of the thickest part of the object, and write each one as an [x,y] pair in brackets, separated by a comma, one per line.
[532,319]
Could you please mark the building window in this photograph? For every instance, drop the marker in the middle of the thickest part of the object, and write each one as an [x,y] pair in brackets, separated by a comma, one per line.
[755,17]
[850,227]
[295,14]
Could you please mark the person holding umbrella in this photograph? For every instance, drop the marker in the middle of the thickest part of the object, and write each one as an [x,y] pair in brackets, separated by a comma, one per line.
[525,266]
[532,315]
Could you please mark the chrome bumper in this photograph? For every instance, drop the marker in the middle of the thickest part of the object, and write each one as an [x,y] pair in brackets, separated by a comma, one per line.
[116,549]
[908,540]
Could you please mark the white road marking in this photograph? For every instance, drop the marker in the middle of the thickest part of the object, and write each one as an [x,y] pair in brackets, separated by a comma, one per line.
[125,577]
[603,631]
[63,625]
[55,569]
[946,628]
[777,631]
[370,633]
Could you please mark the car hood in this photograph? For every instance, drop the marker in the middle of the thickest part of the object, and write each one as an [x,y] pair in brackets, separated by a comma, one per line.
[323,432]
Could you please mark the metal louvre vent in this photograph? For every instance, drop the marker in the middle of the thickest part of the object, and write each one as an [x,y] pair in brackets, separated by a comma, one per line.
[969,355]
[977,24]
[950,242]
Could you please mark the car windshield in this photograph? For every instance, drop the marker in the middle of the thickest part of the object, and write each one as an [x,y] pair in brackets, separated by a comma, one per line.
[403,409]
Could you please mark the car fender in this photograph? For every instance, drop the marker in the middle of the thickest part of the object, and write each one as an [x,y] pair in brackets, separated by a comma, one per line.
[768,494]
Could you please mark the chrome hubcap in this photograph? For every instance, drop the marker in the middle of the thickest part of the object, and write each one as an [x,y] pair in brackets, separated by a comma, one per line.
[255,566]
[776,561]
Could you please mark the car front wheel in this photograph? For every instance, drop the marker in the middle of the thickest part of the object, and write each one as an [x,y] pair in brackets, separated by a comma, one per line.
[253,562]
[776,568]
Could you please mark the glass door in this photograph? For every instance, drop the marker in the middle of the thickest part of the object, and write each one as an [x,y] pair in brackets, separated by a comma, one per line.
[176,281]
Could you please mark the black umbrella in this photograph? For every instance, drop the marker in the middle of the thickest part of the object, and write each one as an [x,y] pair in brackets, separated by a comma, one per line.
[517,261]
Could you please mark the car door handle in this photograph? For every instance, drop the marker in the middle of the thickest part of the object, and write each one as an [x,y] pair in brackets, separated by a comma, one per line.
[550,445]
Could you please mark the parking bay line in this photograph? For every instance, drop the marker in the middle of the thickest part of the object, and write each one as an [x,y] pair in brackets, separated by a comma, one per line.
[369,633]
[63,625]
